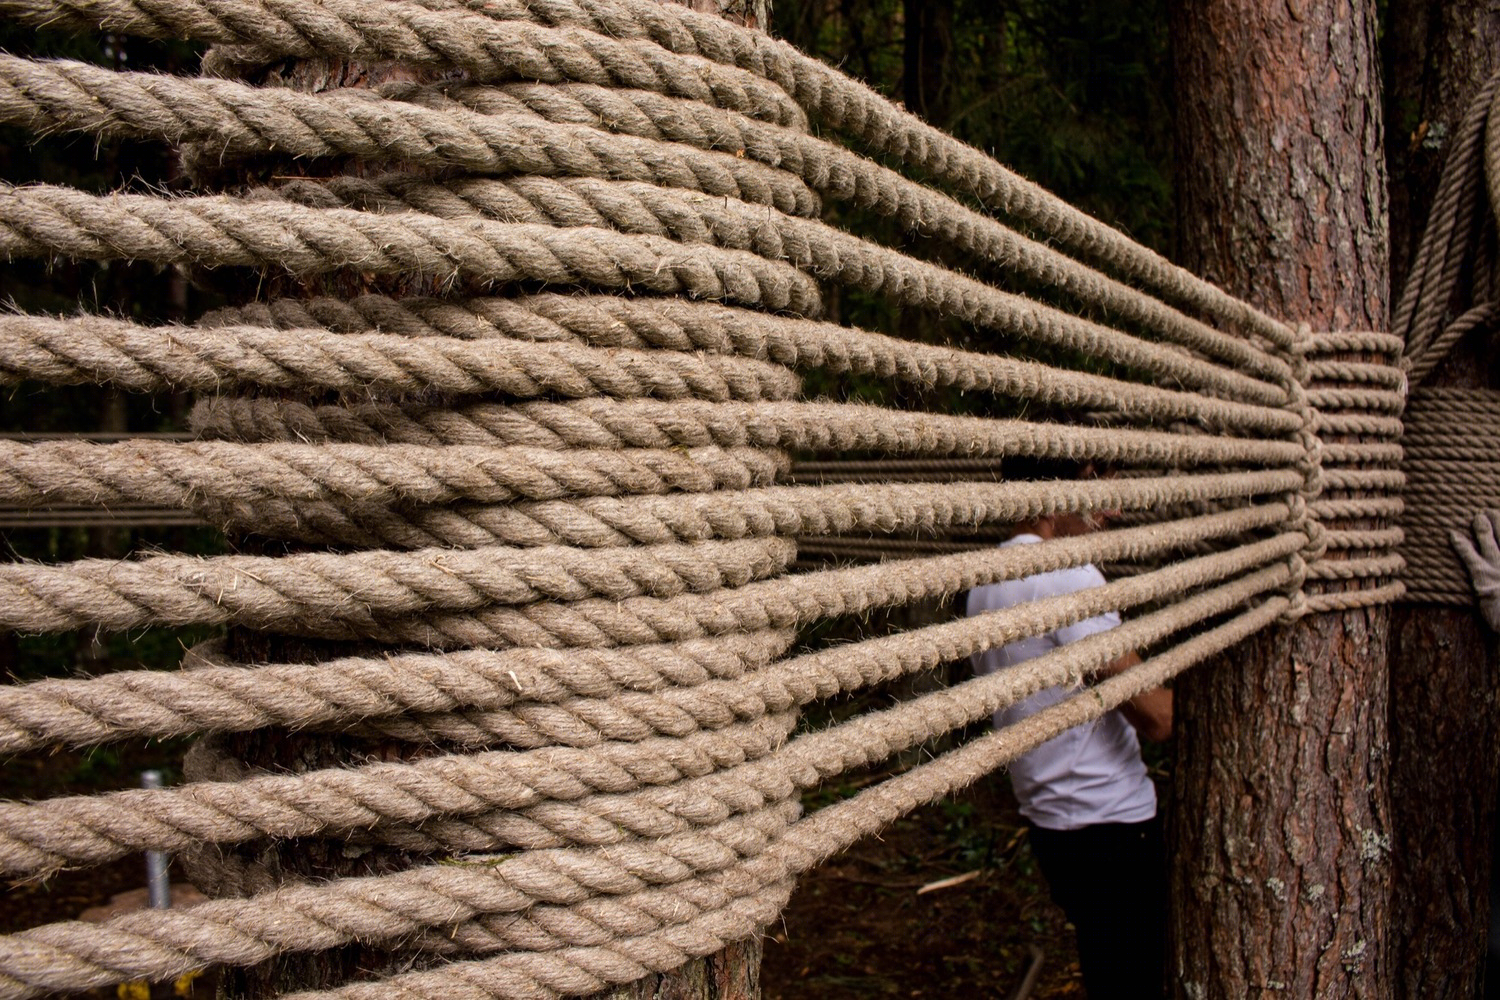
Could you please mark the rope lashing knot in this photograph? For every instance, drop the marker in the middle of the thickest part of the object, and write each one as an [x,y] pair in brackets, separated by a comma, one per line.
[1310,465]
[1347,448]
[1452,443]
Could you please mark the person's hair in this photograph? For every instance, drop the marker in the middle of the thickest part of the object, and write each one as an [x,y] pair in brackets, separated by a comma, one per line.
[1025,468]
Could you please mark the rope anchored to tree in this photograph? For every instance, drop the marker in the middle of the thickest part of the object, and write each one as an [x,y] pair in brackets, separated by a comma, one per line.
[516,427]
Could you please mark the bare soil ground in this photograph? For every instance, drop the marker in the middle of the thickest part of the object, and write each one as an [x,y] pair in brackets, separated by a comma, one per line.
[861,926]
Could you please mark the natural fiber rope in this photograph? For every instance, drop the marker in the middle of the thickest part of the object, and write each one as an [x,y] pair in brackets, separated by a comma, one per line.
[807,426]
[223,231]
[586,968]
[190,938]
[485,49]
[96,350]
[222,472]
[687,423]
[220,231]
[834,100]
[599,521]
[565,515]
[228,698]
[1450,296]
[1459,212]
[321,592]
[44,97]
[1451,460]
[43,836]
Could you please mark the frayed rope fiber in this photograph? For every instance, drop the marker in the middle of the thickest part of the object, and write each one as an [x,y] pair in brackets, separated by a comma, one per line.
[540,520]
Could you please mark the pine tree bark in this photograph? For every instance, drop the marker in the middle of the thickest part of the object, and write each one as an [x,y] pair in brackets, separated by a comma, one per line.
[1281,871]
[1445,732]
[731,974]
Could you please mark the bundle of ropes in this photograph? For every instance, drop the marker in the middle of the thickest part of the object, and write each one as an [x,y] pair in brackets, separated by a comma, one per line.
[1452,296]
[535,534]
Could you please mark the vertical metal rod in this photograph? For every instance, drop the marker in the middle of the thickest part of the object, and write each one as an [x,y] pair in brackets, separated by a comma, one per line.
[158,886]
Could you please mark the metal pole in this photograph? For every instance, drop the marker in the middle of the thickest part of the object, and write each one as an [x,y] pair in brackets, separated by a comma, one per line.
[158,885]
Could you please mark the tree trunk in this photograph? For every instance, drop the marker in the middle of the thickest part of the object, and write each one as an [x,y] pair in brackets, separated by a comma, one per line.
[1439,53]
[750,13]
[1281,874]
[731,974]
[926,83]
[1445,748]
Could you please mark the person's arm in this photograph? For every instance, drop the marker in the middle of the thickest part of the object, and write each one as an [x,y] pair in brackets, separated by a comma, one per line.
[1150,712]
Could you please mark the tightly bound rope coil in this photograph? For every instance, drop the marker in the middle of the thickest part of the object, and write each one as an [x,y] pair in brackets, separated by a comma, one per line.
[568,524]
[1450,296]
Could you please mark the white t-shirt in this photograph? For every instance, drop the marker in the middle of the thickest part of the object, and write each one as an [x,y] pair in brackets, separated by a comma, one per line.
[1092,773]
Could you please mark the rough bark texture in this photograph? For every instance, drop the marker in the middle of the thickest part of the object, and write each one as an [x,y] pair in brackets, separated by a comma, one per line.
[751,13]
[1281,871]
[1443,784]
[1438,54]
[731,974]
[1445,742]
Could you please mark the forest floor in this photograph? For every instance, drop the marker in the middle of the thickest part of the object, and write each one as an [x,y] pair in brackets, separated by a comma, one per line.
[859,927]
[947,902]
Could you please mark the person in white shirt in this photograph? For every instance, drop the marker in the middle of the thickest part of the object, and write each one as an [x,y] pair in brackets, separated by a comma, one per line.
[1092,808]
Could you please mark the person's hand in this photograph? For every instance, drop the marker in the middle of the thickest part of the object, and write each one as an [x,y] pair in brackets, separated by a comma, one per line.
[1481,554]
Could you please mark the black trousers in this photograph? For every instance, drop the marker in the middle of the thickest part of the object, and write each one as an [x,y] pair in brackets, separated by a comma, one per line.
[1111,881]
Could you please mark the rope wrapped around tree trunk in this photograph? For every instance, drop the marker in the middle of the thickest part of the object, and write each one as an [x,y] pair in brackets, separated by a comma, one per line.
[1450,295]
[557,544]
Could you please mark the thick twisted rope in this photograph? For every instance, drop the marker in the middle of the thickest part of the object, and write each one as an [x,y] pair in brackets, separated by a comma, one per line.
[238,119]
[322,491]
[231,698]
[1450,294]
[347,593]
[1430,316]
[96,349]
[245,932]
[1453,473]
[185,474]
[835,100]
[600,521]
[558,511]
[593,965]
[45,97]
[219,231]
[484,48]
[812,426]
[596,622]
[600,424]
[93,829]
[635,207]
